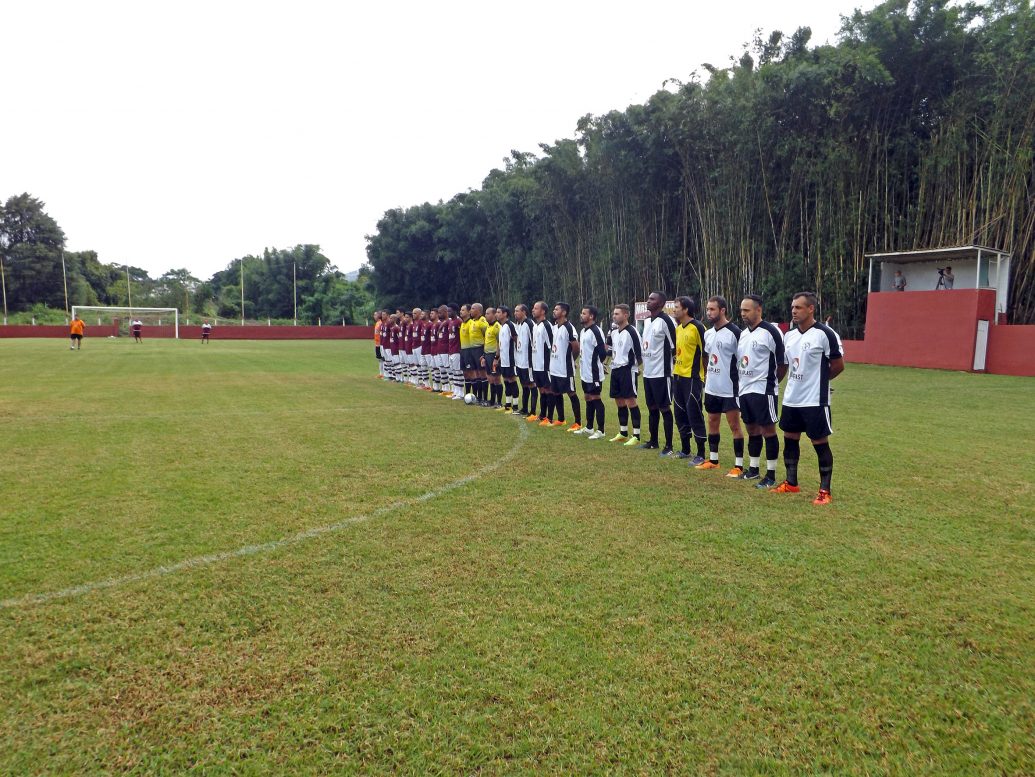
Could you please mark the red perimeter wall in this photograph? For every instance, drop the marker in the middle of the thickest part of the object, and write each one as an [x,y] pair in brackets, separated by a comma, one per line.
[938,329]
[223,332]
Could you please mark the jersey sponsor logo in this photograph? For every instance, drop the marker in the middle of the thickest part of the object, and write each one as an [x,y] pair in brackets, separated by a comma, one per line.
[744,361]
[714,358]
[553,348]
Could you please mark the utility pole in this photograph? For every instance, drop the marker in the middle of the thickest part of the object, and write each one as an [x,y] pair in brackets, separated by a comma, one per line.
[64,278]
[294,289]
[242,291]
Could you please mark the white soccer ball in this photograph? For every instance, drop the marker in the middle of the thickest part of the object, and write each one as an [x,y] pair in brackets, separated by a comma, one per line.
[469,399]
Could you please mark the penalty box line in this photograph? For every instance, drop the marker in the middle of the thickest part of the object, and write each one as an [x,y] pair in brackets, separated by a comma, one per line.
[266,547]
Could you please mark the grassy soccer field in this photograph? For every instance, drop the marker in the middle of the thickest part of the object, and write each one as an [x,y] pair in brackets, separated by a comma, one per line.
[255,557]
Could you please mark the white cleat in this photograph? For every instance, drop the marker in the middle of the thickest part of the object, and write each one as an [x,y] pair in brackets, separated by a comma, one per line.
[597,435]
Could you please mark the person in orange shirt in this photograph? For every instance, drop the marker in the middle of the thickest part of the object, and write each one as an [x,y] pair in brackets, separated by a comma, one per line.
[76,331]
[377,344]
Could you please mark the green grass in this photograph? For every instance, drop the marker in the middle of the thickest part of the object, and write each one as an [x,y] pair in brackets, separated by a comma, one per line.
[582,608]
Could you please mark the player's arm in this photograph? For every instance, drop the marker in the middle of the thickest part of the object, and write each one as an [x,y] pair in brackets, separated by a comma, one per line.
[574,343]
[781,356]
[837,366]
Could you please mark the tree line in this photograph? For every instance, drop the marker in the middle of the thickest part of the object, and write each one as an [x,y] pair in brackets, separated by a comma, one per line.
[32,251]
[773,174]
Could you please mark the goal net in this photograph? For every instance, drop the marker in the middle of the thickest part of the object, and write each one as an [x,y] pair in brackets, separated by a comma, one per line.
[101,315]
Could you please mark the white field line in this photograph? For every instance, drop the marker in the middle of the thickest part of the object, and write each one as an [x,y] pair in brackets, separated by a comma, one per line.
[266,547]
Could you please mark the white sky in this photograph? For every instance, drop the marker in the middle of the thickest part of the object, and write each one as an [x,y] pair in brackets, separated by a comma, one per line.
[186,134]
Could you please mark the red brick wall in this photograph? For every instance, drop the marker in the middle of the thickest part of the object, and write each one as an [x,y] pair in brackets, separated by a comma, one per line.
[224,332]
[47,330]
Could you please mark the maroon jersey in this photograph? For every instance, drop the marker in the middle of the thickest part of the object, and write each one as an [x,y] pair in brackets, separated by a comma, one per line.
[426,328]
[383,333]
[395,338]
[442,347]
[431,330]
[406,339]
[453,336]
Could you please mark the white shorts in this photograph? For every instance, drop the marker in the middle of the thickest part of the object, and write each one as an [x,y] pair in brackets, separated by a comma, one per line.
[417,359]
[442,360]
[454,361]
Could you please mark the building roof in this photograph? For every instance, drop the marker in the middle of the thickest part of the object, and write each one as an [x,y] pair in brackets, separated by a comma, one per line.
[936,254]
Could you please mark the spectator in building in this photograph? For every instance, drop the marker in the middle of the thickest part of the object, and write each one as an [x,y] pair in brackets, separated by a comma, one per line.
[899,281]
[947,278]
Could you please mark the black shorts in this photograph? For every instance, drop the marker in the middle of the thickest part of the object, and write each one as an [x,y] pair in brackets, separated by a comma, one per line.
[77,337]
[814,421]
[524,374]
[758,409]
[508,372]
[377,353]
[561,385]
[477,352]
[591,388]
[657,392]
[623,383]
[542,379]
[490,357]
[466,359]
[718,405]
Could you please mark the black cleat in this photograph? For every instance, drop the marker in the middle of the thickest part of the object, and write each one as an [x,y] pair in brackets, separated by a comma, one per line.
[766,483]
[666,453]
[649,446]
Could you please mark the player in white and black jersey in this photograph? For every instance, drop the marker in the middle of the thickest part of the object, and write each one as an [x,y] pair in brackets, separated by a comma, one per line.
[721,382]
[542,344]
[659,346]
[592,353]
[504,362]
[760,365]
[813,354]
[562,365]
[523,362]
[626,356]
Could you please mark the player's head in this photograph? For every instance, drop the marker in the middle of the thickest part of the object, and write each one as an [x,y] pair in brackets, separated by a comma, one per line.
[490,314]
[477,311]
[751,309]
[717,311]
[503,314]
[539,310]
[685,309]
[560,311]
[589,315]
[656,302]
[620,315]
[465,312]
[803,308]
[433,314]
[520,312]
[418,314]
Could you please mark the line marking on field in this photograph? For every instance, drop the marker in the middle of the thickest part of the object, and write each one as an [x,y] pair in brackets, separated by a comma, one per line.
[251,550]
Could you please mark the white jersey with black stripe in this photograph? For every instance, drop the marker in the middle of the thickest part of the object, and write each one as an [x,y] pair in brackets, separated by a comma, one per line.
[626,348]
[808,355]
[659,346]
[523,344]
[507,342]
[759,351]
[592,353]
[722,377]
[542,340]
[562,361]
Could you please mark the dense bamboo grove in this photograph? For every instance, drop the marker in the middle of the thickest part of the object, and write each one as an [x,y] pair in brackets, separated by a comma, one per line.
[777,173]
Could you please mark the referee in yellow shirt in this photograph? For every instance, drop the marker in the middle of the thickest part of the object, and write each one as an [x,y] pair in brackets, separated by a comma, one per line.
[465,349]
[492,347]
[688,385]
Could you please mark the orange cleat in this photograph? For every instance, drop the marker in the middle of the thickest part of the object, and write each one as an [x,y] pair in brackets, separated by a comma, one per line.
[532,418]
[736,472]
[785,488]
[544,422]
[824,498]
[573,428]
[557,423]
[707,465]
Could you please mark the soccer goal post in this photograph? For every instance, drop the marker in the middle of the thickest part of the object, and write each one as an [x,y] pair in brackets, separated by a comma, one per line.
[152,314]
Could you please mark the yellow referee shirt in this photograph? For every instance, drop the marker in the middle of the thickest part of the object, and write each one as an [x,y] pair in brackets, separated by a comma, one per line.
[690,349]
[476,331]
[492,337]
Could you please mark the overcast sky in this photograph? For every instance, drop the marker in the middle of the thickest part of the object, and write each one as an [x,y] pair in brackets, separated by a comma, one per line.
[186,134]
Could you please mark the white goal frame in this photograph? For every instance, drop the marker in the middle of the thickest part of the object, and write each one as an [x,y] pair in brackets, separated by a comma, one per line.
[131,311]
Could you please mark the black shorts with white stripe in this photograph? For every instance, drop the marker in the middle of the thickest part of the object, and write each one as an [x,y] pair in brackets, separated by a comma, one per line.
[623,383]
[507,372]
[591,389]
[657,392]
[814,421]
[561,385]
[542,379]
[758,409]
[524,374]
